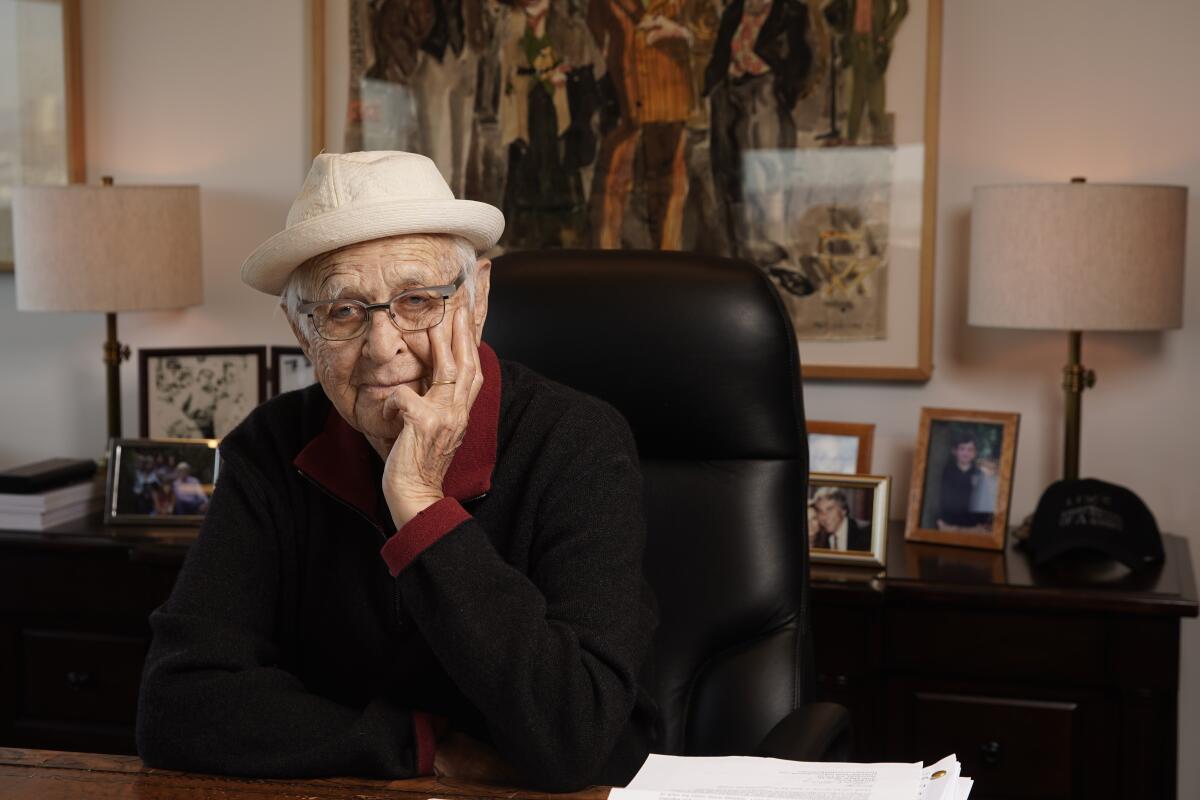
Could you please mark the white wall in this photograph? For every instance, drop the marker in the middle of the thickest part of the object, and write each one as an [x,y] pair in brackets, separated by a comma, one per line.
[214,93]
[1041,90]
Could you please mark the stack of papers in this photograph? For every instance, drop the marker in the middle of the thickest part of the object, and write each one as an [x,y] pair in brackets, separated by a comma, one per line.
[41,510]
[747,778]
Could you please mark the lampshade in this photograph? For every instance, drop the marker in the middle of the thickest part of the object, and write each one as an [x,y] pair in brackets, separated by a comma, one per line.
[107,248]
[1078,256]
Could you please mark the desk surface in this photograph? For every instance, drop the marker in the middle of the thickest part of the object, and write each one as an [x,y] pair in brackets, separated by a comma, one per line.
[53,775]
[1007,579]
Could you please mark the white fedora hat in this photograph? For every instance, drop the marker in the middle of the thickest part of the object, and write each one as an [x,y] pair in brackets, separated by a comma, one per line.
[355,197]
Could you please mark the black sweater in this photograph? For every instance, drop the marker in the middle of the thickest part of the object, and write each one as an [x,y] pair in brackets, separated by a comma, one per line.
[288,649]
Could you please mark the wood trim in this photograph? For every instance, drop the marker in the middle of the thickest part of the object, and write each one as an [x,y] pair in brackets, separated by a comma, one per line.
[316,67]
[844,373]
[72,98]
[923,370]
[73,86]
[864,432]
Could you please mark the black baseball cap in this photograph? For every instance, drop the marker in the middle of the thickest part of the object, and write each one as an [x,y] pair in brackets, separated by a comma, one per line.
[1093,515]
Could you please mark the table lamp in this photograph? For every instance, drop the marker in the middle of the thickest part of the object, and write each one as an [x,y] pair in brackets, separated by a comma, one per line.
[107,249]
[1077,257]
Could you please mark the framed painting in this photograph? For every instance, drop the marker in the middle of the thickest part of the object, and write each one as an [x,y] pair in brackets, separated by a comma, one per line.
[290,369]
[41,102]
[199,392]
[619,124]
[840,447]
[962,478]
[847,518]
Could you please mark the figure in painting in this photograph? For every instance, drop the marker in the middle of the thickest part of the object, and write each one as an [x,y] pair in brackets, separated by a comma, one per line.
[867,30]
[548,98]
[760,65]
[433,47]
[647,45]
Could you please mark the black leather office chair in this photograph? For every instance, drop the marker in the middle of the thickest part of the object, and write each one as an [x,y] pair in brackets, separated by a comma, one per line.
[699,355]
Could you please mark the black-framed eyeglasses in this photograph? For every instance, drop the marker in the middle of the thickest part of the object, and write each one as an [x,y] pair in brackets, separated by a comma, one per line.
[410,311]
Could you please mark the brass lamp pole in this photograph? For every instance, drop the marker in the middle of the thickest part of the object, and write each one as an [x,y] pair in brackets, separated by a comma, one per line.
[1075,379]
[114,354]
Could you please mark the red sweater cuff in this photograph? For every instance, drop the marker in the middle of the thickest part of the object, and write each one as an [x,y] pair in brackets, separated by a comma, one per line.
[426,742]
[420,532]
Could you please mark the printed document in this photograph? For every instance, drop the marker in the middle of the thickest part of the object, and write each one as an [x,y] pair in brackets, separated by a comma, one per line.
[748,778]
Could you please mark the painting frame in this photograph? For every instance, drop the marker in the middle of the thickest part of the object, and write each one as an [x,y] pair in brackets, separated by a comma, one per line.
[880,488]
[862,433]
[151,423]
[72,99]
[279,368]
[909,356]
[122,500]
[972,523]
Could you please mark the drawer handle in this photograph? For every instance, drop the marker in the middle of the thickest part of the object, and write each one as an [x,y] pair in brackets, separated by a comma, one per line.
[79,680]
[989,753]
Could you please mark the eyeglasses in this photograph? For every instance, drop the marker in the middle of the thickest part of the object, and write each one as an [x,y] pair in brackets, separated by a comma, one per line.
[410,311]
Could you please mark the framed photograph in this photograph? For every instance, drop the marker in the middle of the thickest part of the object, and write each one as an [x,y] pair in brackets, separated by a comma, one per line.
[821,171]
[847,518]
[290,369]
[41,107]
[199,393]
[160,481]
[840,447]
[962,478]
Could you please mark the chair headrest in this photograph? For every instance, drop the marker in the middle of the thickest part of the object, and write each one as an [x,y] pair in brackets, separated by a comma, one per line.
[697,352]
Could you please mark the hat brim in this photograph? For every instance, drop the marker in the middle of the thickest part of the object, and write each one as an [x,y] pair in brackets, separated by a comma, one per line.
[272,263]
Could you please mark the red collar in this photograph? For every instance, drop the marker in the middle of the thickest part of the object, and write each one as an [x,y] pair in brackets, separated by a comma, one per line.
[342,461]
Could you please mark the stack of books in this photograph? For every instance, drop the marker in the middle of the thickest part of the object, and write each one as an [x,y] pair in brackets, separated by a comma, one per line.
[48,493]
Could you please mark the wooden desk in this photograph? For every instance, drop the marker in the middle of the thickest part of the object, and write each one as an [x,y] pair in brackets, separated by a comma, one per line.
[54,775]
[1046,683]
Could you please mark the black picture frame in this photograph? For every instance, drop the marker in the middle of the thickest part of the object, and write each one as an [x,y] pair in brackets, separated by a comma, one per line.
[284,377]
[182,396]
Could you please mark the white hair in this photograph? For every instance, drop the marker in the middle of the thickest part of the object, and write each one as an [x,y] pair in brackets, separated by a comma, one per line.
[306,279]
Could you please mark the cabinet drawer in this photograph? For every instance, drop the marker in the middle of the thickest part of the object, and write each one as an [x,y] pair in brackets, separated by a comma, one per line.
[1011,747]
[1007,646]
[81,677]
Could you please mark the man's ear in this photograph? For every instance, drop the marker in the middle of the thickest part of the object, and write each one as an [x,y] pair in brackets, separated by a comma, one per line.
[483,284]
[301,339]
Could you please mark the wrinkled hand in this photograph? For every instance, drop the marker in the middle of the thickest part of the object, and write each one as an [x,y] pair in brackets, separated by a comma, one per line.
[434,423]
[461,757]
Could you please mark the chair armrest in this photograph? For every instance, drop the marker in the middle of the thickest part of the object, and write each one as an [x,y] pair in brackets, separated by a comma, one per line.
[813,732]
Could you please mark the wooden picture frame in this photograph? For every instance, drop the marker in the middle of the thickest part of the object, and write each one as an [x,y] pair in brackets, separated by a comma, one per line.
[66,96]
[854,504]
[872,257]
[962,478]
[290,369]
[198,392]
[843,448]
[160,481]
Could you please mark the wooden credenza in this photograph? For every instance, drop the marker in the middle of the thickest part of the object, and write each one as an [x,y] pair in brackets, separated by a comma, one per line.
[1050,683]
[1057,683]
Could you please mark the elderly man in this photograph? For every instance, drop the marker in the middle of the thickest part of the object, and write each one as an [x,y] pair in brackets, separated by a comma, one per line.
[429,561]
[837,530]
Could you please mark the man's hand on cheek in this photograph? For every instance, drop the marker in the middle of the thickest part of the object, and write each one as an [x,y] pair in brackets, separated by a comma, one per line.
[434,423]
